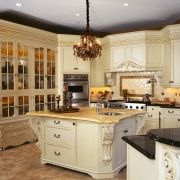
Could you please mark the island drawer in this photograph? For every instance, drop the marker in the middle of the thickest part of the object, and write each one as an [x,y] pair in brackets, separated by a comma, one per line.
[57,122]
[57,136]
[58,154]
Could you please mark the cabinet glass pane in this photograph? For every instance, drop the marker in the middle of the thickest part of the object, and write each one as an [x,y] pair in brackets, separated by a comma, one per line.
[23,77]
[39,68]
[50,69]
[8,106]
[50,101]
[7,65]
[23,105]
[39,102]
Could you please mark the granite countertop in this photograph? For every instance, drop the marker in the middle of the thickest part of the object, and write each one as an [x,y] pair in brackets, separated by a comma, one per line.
[89,114]
[170,136]
[146,143]
[143,144]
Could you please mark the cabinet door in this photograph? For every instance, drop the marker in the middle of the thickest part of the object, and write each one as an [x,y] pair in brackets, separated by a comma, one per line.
[39,68]
[96,73]
[23,67]
[176,62]
[172,64]
[50,69]
[120,150]
[72,64]
[150,124]
[7,66]
[8,106]
[154,56]
[86,145]
[170,122]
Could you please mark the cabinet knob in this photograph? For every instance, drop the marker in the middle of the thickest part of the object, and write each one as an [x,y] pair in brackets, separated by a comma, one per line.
[178,119]
[170,111]
[56,122]
[57,154]
[74,123]
[57,136]
[125,131]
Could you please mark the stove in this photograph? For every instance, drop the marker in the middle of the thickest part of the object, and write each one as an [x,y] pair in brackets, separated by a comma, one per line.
[128,105]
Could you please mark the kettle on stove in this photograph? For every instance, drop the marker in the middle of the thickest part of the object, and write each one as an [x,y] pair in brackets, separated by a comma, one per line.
[146,98]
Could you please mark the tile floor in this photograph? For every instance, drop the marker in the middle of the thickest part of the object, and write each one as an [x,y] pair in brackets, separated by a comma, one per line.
[23,163]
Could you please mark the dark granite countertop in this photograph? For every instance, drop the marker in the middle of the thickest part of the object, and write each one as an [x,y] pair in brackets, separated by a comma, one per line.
[146,143]
[170,136]
[143,144]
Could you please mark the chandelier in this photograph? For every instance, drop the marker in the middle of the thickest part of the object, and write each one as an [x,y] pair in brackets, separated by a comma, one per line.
[89,46]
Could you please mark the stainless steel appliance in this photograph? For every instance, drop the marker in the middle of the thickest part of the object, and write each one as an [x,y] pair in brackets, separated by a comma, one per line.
[78,84]
[128,105]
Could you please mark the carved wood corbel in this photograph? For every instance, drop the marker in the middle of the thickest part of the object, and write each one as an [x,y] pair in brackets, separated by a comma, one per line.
[107,138]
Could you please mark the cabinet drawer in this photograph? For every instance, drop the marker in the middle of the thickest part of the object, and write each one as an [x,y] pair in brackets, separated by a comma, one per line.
[58,154]
[58,136]
[152,112]
[57,122]
[15,125]
[171,112]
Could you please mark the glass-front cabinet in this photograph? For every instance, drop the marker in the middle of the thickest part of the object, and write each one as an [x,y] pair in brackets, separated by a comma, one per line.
[7,65]
[27,79]
[44,78]
[23,67]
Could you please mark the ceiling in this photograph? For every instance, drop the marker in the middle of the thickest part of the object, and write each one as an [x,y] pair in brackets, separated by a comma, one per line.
[106,16]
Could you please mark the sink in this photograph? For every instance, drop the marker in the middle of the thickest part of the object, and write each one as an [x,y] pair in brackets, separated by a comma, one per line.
[110,113]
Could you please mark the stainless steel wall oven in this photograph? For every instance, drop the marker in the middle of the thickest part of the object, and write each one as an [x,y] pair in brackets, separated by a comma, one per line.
[78,84]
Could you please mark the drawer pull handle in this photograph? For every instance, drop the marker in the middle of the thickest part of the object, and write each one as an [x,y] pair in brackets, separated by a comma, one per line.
[125,131]
[57,154]
[57,136]
[149,115]
[56,122]
[170,111]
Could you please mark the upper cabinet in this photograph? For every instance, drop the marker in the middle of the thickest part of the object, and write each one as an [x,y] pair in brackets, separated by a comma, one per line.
[172,56]
[69,63]
[135,51]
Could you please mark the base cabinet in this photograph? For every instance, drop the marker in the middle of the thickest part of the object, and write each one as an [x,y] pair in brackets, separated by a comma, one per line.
[93,148]
[170,118]
[152,119]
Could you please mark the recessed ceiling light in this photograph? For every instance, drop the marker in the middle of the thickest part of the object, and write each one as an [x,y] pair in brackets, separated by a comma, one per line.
[125,4]
[77,14]
[18,4]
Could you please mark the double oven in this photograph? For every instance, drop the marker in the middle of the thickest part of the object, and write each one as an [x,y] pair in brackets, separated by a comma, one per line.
[78,85]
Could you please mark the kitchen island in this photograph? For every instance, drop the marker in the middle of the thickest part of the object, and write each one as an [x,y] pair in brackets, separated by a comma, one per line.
[158,151]
[85,140]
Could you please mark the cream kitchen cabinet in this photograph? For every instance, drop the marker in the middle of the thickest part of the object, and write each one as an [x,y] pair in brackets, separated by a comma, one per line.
[127,57]
[27,74]
[172,64]
[71,64]
[170,118]
[96,72]
[72,143]
[152,119]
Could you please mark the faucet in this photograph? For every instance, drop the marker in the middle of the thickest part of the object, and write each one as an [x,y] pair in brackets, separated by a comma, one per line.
[106,103]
